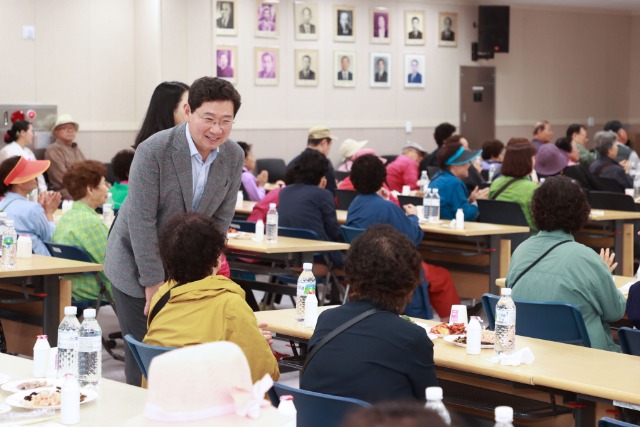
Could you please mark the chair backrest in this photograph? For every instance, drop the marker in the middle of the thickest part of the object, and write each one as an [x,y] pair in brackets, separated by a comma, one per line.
[610,422]
[76,253]
[432,171]
[410,200]
[553,321]
[629,340]
[345,197]
[340,175]
[501,212]
[276,168]
[350,233]
[298,233]
[318,409]
[610,184]
[144,353]
[611,200]
[246,226]
[390,157]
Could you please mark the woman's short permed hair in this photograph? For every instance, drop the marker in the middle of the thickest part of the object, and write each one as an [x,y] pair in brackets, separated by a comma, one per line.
[83,175]
[309,169]
[560,204]
[190,245]
[367,174]
[383,266]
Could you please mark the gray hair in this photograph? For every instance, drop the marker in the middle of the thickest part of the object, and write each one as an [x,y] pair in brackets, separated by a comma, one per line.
[604,140]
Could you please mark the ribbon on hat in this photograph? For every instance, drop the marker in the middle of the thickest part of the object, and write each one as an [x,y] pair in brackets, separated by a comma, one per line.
[158,413]
[248,402]
[453,158]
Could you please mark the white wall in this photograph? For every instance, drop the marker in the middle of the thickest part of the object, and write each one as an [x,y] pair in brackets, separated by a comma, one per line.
[99,60]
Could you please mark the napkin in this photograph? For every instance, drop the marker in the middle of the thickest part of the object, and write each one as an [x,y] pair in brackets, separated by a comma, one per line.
[625,289]
[524,355]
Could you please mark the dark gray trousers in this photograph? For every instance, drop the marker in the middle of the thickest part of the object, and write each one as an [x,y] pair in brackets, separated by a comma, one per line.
[132,321]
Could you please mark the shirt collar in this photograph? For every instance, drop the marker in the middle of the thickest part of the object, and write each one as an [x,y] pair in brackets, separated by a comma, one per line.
[193,150]
[78,205]
[556,234]
[12,195]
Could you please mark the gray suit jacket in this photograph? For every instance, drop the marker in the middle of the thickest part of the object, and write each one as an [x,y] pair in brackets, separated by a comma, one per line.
[161,186]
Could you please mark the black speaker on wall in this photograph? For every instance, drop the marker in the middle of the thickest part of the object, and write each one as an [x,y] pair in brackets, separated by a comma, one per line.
[493,29]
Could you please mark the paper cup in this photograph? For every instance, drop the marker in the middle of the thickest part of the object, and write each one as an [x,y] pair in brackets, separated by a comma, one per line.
[406,190]
[458,314]
[420,210]
[629,192]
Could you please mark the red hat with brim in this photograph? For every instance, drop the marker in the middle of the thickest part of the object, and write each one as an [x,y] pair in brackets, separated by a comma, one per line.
[26,170]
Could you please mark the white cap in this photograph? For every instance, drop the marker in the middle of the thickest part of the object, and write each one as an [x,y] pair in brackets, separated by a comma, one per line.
[272,205]
[70,310]
[307,265]
[505,291]
[89,312]
[9,222]
[434,393]
[504,414]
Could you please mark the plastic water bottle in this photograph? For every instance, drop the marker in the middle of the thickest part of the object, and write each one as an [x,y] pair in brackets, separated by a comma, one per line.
[492,171]
[272,224]
[310,304]
[474,336]
[504,416]
[636,186]
[41,356]
[460,219]
[434,214]
[434,402]
[68,341]
[288,409]
[426,202]
[3,218]
[70,400]
[424,180]
[9,245]
[107,210]
[90,350]
[505,323]
[306,280]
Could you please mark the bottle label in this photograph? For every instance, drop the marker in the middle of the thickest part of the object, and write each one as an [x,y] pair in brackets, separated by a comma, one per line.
[88,344]
[8,240]
[310,288]
[505,317]
[68,340]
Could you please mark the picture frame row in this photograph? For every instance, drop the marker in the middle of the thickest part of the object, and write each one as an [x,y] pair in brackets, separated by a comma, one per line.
[266,70]
[306,25]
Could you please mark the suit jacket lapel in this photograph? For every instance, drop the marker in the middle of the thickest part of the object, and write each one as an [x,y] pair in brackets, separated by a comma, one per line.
[182,163]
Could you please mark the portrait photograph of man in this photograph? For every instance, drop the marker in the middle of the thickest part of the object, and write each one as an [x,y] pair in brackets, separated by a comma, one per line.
[414,70]
[414,27]
[267,19]
[306,21]
[344,18]
[380,24]
[344,66]
[448,27]
[306,67]
[380,70]
[225,18]
[266,66]
[226,63]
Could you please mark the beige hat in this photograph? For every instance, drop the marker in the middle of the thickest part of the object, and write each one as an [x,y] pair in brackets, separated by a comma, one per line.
[321,132]
[349,147]
[63,119]
[206,385]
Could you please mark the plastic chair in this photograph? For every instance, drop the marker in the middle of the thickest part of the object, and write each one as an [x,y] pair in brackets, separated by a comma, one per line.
[629,340]
[340,175]
[318,409]
[76,253]
[276,168]
[610,422]
[552,321]
[144,353]
[410,200]
[390,157]
[350,233]
[610,185]
[610,200]
[344,198]
[501,212]
[432,171]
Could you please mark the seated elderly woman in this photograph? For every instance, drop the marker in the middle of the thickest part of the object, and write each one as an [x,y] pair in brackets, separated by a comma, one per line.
[17,179]
[606,165]
[82,226]
[454,161]
[196,305]
[571,272]
[121,164]
[382,356]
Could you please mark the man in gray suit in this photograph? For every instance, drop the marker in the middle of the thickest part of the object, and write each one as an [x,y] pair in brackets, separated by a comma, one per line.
[191,167]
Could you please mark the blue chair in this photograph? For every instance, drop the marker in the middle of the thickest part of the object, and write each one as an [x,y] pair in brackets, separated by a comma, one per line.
[553,321]
[344,198]
[610,422]
[144,353]
[318,409]
[629,340]
[350,233]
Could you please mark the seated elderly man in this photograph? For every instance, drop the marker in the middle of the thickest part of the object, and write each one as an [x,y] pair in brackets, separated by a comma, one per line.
[63,152]
[606,165]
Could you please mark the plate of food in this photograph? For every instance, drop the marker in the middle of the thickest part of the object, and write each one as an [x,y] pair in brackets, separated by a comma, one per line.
[232,233]
[487,339]
[30,384]
[444,329]
[46,397]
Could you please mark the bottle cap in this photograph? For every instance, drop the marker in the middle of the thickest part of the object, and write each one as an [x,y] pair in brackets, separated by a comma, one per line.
[272,205]
[41,337]
[307,266]
[290,398]
[70,310]
[434,393]
[89,312]
[504,414]
[435,190]
[505,291]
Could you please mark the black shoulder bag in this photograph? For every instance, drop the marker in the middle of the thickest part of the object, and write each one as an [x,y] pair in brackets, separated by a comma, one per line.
[535,262]
[504,187]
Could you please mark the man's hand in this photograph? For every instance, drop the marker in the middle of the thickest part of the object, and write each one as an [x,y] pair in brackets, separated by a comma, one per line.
[409,209]
[149,292]
[609,259]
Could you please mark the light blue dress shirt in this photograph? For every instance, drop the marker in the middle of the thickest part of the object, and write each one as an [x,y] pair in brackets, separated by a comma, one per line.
[199,170]
[29,218]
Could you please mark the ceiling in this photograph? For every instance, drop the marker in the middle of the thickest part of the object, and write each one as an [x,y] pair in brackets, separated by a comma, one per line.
[612,5]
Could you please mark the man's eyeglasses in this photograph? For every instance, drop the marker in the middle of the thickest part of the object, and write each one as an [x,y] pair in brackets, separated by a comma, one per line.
[224,123]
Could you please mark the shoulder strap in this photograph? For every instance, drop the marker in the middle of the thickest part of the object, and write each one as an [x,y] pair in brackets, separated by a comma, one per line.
[504,187]
[602,167]
[7,205]
[535,262]
[164,299]
[331,335]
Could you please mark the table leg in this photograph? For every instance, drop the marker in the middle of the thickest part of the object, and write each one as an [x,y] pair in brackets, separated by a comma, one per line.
[51,309]
[624,248]
[499,258]
[585,415]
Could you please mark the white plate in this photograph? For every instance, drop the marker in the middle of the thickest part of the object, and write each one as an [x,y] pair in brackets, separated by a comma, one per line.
[232,235]
[4,408]
[12,386]
[4,378]
[451,339]
[17,399]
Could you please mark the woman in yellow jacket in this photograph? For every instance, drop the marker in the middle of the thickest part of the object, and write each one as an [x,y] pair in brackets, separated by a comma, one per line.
[195,305]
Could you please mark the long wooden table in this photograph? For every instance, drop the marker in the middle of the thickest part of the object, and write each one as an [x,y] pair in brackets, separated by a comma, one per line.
[56,292]
[623,235]
[619,281]
[597,376]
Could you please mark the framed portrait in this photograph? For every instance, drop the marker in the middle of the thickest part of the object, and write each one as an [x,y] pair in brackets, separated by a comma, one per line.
[225,18]
[414,27]
[227,63]
[414,70]
[380,70]
[345,24]
[267,62]
[306,20]
[267,18]
[344,66]
[307,67]
[380,25]
[448,29]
